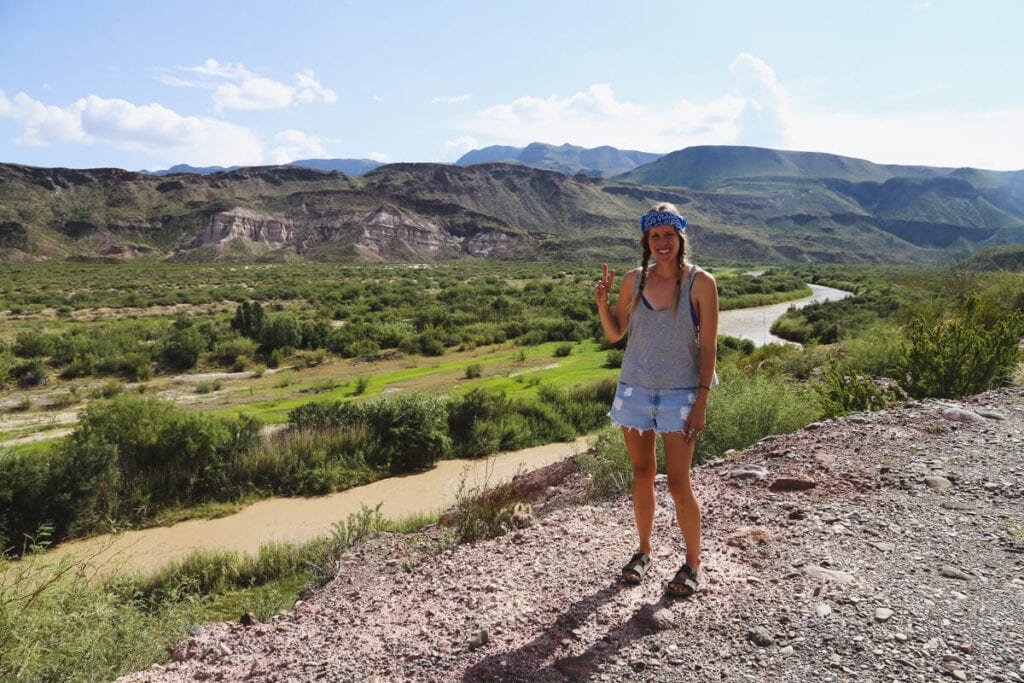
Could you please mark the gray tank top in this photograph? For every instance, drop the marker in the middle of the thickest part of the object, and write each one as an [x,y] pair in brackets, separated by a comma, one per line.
[663,350]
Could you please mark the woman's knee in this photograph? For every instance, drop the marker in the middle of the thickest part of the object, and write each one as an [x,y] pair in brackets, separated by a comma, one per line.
[682,493]
[645,472]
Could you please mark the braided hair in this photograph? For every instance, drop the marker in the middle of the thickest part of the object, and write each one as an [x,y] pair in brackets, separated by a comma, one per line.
[645,245]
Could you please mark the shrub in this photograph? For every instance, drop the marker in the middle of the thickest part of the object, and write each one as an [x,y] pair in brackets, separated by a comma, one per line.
[182,349]
[965,354]
[608,464]
[843,393]
[282,332]
[31,373]
[33,345]
[473,371]
[406,433]
[744,409]
[131,457]
[563,350]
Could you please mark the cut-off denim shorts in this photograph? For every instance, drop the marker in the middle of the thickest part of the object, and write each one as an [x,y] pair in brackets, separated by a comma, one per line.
[663,410]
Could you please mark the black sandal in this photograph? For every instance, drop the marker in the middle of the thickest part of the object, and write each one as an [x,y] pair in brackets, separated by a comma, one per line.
[636,568]
[684,583]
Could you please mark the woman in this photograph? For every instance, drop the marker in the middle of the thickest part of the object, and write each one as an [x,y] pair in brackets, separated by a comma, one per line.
[670,310]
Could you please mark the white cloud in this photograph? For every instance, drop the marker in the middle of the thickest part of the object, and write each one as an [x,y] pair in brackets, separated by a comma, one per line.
[987,139]
[235,87]
[253,93]
[153,130]
[380,157]
[43,124]
[309,89]
[595,117]
[459,146]
[294,144]
[763,120]
[457,99]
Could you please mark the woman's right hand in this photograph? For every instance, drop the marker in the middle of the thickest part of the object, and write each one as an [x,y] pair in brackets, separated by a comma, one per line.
[603,288]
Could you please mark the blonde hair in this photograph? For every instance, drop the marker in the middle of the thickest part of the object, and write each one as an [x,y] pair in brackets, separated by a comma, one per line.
[646,247]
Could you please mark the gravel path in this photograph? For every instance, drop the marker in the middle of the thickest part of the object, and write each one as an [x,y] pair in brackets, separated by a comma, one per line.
[882,546]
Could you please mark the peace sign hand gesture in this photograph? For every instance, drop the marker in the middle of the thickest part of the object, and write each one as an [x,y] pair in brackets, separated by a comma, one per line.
[604,286]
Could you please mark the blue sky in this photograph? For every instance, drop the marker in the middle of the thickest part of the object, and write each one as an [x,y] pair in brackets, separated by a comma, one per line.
[146,85]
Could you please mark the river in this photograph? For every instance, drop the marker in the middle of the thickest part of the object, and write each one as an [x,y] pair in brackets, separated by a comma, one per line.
[302,519]
[754,323]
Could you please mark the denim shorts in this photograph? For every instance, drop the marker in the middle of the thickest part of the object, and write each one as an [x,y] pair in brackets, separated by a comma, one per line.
[663,410]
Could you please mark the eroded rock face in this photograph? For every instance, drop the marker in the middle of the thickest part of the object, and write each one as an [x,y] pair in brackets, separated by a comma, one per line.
[387,232]
[490,244]
[385,226]
[246,225]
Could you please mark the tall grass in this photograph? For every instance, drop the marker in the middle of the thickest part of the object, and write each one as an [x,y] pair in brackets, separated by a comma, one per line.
[742,410]
[58,623]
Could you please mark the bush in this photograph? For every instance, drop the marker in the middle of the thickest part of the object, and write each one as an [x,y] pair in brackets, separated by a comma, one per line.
[965,354]
[563,350]
[182,349]
[843,393]
[608,464]
[280,332]
[744,409]
[473,371]
[31,374]
[131,457]
[613,359]
[405,434]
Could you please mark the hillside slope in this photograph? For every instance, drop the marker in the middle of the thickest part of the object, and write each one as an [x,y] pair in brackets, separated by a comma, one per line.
[880,546]
[740,203]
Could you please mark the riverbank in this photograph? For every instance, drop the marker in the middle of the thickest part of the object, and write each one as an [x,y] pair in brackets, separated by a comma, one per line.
[879,546]
[297,520]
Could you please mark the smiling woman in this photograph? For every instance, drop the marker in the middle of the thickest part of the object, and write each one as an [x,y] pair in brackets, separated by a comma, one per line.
[667,373]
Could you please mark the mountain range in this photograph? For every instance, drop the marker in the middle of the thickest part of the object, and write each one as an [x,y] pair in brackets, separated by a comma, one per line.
[741,203]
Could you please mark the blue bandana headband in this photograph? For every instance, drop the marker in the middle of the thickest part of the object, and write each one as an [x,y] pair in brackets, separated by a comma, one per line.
[650,220]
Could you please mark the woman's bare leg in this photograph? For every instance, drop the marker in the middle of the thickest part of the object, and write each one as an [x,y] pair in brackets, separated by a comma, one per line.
[640,446]
[678,458]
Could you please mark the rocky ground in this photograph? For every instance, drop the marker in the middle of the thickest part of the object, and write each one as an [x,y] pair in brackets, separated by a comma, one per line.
[883,546]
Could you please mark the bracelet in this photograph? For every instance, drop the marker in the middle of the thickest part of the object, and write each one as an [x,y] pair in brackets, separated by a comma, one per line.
[703,387]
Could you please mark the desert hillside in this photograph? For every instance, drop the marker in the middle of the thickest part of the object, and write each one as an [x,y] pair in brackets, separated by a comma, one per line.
[877,547]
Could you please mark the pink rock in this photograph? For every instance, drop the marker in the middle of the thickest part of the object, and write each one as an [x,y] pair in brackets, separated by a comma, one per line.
[792,484]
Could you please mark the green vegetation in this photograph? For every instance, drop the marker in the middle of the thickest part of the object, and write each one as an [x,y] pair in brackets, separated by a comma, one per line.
[482,360]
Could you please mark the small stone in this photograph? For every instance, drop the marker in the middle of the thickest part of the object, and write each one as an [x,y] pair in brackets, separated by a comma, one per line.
[747,536]
[480,639]
[938,483]
[658,619]
[823,611]
[951,572]
[760,637]
[960,415]
[821,574]
[195,631]
[248,619]
[786,651]
[902,637]
[883,614]
[754,472]
[792,484]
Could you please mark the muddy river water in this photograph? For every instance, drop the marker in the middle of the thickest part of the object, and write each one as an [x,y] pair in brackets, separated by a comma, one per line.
[301,519]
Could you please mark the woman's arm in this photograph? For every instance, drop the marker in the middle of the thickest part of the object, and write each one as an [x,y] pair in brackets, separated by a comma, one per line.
[705,299]
[614,321]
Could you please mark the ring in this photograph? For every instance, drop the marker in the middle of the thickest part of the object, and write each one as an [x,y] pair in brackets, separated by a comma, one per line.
[691,432]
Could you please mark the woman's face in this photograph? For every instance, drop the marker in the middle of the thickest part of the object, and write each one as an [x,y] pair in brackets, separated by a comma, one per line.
[663,241]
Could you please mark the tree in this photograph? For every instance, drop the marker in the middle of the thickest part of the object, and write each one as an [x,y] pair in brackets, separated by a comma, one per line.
[248,320]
